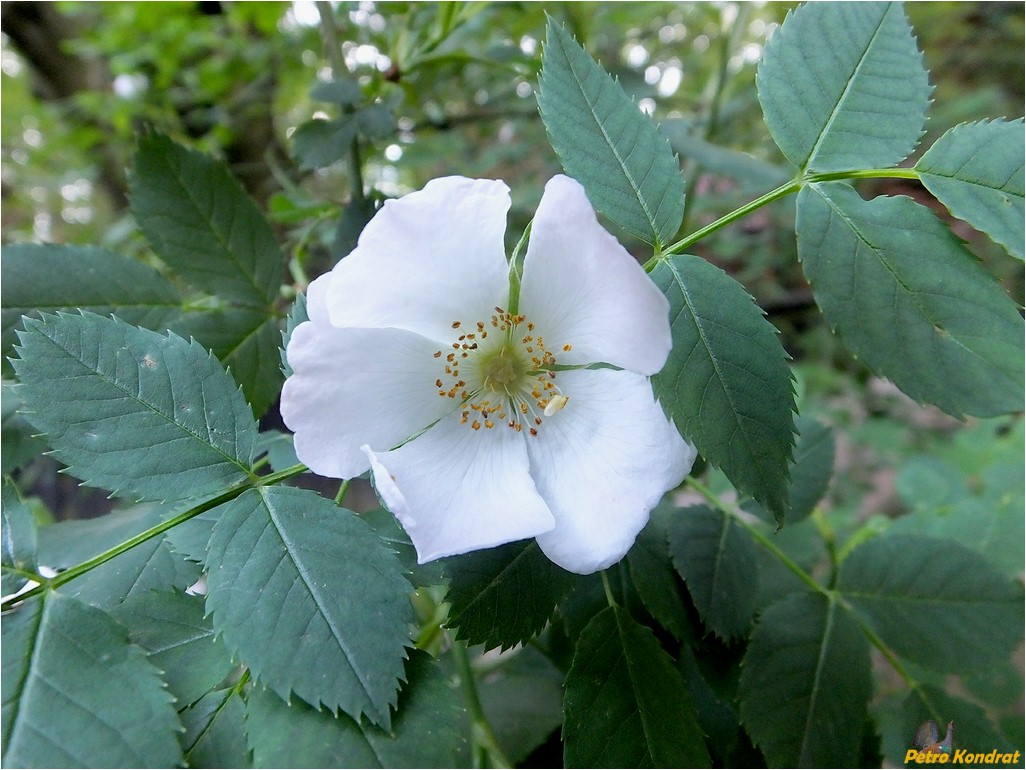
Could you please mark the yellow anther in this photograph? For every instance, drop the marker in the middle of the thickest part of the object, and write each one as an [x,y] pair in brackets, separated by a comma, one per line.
[555,404]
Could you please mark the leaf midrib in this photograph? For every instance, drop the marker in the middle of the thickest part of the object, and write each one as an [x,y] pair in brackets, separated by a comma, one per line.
[113,383]
[291,549]
[844,94]
[635,188]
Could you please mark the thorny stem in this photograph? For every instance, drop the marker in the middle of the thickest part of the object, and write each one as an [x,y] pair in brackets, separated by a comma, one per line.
[810,581]
[154,531]
[484,747]
[788,188]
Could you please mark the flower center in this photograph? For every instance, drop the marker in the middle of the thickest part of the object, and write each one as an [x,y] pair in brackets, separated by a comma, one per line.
[509,376]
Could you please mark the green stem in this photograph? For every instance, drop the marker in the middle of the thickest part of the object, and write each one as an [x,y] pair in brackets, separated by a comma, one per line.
[610,600]
[483,747]
[788,188]
[759,535]
[341,494]
[811,582]
[718,86]
[90,564]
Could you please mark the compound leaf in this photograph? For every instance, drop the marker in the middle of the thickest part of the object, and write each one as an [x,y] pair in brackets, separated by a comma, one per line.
[907,298]
[606,143]
[976,171]
[842,86]
[310,599]
[726,383]
[77,694]
[132,411]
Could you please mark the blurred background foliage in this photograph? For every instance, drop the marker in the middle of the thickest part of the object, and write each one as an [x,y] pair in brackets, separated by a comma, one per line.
[421,90]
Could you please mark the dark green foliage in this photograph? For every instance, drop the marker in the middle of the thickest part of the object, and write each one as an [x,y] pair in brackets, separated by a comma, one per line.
[927,598]
[910,300]
[844,87]
[805,683]
[716,558]
[726,384]
[976,170]
[133,411]
[625,703]
[503,596]
[606,144]
[423,733]
[76,693]
[17,539]
[306,594]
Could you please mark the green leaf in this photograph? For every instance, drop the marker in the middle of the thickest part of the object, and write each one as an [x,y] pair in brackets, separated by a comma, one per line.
[179,640]
[653,576]
[842,86]
[805,682]
[929,599]
[606,143]
[523,702]
[503,596]
[17,539]
[296,317]
[976,171]
[973,729]
[310,599]
[716,558]
[425,728]
[726,383]
[215,731]
[991,522]
[246,342]
[341,92]
[319,143]
[811,470]
[907,297]
[742,167]
[45,277]
[147,567]
[77,694]
[18,440]
[199,220]
[625,703]
[132,411]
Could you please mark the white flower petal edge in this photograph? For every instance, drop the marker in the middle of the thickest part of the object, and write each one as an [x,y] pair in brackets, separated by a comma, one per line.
[602,463]
[584,288]
[345,388]
[457,490]
[427,259]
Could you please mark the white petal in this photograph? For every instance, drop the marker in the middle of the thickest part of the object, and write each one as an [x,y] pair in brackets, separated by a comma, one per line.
[352,387]
[427,259]
[581,287]
[602,463]
[456,489]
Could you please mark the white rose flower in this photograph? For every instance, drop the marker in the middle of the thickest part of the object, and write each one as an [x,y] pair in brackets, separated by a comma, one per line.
[469,398]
